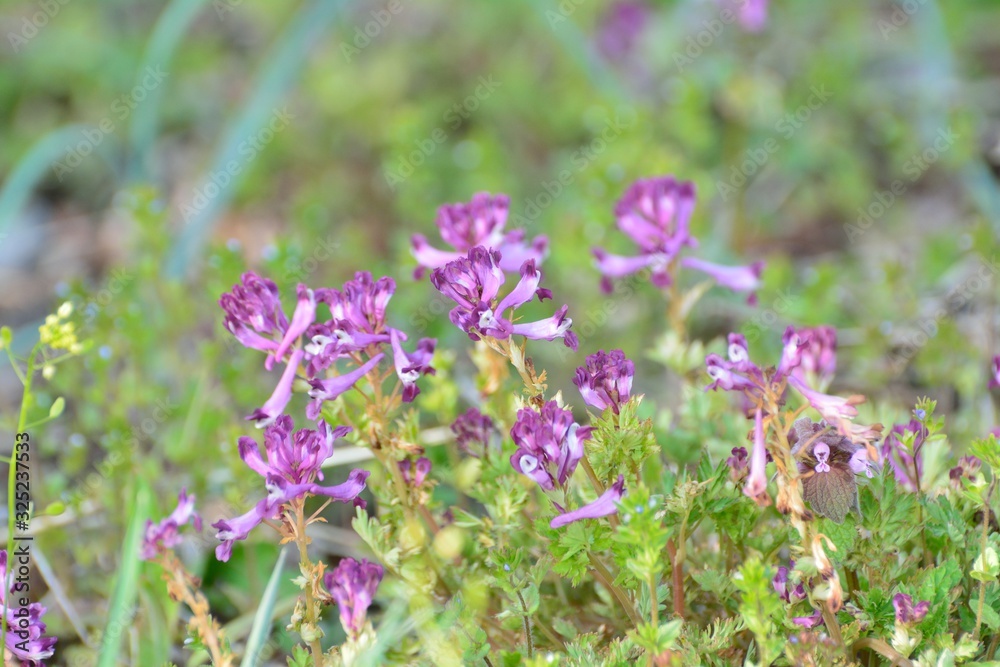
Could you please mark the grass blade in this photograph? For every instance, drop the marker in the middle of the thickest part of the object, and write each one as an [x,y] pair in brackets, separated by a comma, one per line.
[123,600]
[261,628]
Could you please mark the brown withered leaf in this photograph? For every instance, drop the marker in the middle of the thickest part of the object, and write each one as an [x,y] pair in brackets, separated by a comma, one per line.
[831,494]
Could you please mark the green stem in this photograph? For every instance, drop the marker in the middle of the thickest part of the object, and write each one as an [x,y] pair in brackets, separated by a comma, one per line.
[609,583]
[527,625]
[312,616]
[22,419]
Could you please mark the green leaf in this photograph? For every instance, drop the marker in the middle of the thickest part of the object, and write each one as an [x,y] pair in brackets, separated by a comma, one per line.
[990,616]
[123,600]
[261,628]
[987,566]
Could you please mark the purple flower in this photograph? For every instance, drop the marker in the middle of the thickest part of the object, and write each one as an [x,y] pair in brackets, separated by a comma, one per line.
[414,474]
[738,464]
[780,583]
[166,533]
[474,282]
[621,27]
[736,278]
[752,14]
[605,505]
[838,411]
[478,223]
[361,304]
[331,388]
[294,462]
[810,621]
[276,404]
[901,458]
[352,586]
[655,213]
[818,353]
[995,378]
[906,611]
[475,433]
[549,444]
[409,367]
[756,486]
[25,639]
[606,380]
[967,468]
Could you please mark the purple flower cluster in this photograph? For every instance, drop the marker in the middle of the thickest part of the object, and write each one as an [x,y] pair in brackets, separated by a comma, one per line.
[25,640]
[356,327]
[414,473]
[475,433]
[908,613]
[908,465]
[478,223]
[967,468]
[549,444]
[294,462]
[606,380]
[166,533]
[818,354]
[473,283]
[352,585]
[655,213]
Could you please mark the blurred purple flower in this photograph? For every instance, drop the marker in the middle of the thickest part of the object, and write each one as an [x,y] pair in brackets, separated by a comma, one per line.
[756,486]
[995,378]
[605,505]
[738,464]
[606,380]
[166,533]
[907,471]
[620,28]
[655,213]
[294,463]
[352,586]
[414,474]
[906,611]
[549,444]
[474,282]
[25,640]
[967,468]
[478,223]
[818,356]
[780,583]
[752,14]
[810,621]
[736,278]
[475,433]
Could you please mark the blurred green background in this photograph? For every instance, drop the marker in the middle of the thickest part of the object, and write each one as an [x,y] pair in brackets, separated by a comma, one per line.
[151,152]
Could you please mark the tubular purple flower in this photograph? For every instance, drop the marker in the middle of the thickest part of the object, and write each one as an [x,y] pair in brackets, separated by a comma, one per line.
[25,640]
[817,352]
[253,312]
[166,533]
[331,388]
[723,377]
[605,505]
[549,444]
[361,304]
[276,404]
[756,486]
[414,474]
[294,462]
[606,380]
[906,611]
[554,327]
[479,222]
[409,367]
[907,466]
[791,353]
[810,621]
[475,433]
[780,584]
[736,278]
[352,585]
[302,318]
